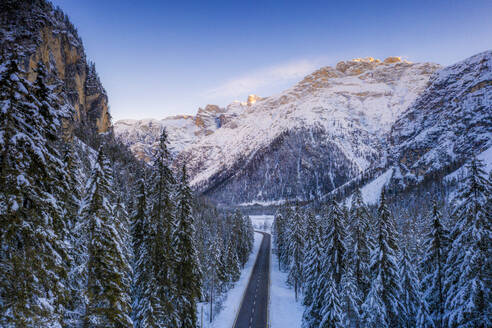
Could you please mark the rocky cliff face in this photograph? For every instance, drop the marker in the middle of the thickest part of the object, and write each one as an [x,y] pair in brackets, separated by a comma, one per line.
[450,122]
[302,143]
[40,33]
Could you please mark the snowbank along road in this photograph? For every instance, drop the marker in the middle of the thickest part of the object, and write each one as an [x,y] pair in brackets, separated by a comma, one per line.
[253,312]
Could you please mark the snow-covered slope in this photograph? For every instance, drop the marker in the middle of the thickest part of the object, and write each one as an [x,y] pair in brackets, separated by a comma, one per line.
[450,121]
[300,143]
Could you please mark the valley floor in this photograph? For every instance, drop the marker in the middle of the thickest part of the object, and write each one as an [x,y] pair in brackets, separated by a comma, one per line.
[226,316]
[284,310]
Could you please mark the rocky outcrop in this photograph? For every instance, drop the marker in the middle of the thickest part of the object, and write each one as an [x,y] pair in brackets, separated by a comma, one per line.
[252,99]
[360,65]
[38,32]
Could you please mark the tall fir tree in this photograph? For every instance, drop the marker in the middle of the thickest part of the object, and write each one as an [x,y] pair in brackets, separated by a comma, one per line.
[107,288]
[77,239]
[433,268]
[280,237]
[296,244]
[33,252]
[333,263]
[374,311]
[469,262]
[382,305]
[361,242]
[232,261]
[142,269]
[188,275]
[334,243]
[333,316]
[351,299]
[155,266]
[217,272]
[313,267]
[411,295]
[243,235]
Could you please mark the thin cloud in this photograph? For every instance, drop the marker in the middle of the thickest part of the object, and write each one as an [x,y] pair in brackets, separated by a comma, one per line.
[266,77]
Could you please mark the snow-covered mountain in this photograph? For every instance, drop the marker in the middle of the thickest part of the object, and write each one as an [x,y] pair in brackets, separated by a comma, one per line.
[300,143]
[329,128]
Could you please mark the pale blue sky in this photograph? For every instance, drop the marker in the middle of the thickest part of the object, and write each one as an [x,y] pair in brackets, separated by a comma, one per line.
[161,58]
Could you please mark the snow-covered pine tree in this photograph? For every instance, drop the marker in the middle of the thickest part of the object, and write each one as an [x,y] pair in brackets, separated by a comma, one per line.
[243,237]
[232,261]
[217,271]
[310,231]
[188,276]
[138,219]
[296,244]
[383,301]
[411,293]
[250,234]
[433,269]
[333,265]
[312,271]
[154,257]
[280,236]
[121,215]
[361,242]
[142,264]
[123,227]
[469,262]
[33,255]
[72,197]
[288,218]
[107,290]
[374,311]
[220,265]
[334,243]
[332,314]
[351,299]
[77,239]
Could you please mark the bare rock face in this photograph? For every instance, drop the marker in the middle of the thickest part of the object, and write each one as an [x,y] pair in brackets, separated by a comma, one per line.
[252,99]
[358,66]
[41,33]
[392,60]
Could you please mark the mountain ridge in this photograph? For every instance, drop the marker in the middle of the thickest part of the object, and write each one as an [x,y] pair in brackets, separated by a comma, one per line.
[347,105]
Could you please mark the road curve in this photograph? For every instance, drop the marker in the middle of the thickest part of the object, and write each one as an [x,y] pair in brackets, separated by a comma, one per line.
[253,312]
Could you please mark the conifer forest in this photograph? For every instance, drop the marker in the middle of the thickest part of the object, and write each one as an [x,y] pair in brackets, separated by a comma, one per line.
[352,194]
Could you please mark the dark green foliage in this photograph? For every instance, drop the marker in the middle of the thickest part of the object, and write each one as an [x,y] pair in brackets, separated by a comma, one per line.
[187,271]
[433,269]
[296,243]
[107,268]
[469,262]
[33,256]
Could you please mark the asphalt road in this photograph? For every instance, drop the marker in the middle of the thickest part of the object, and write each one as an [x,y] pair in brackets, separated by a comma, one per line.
[254,307]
